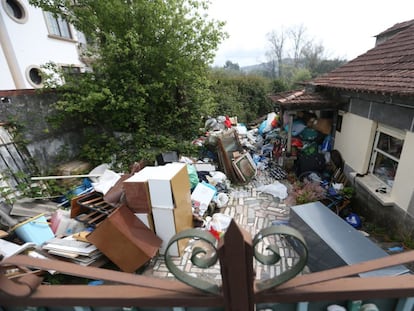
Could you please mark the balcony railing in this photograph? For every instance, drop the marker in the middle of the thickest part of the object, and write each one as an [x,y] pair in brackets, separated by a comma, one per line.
[239,290]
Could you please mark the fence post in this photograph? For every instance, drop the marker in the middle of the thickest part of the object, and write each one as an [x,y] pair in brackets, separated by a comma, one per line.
[235,252]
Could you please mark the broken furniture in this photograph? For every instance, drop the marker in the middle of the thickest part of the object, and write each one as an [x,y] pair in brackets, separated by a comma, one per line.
[162,192]
[90,209]
[125,240]
[237,164]
[170,194]
[118,233]
[332,242]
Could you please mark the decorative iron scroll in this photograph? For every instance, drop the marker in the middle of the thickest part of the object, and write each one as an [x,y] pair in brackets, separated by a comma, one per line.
[204,262]
[295,239]
[196,259]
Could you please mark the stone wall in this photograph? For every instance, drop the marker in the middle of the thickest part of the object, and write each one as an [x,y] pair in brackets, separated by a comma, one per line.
[397,223]
[30,112]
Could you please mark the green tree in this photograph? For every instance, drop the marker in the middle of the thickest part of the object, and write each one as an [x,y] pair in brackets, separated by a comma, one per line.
[241,95]
[149,76]
[231,66]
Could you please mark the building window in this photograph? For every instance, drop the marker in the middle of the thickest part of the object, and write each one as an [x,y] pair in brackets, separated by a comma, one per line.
[386,154]
[15,10]
[70,70]
[34,76]
[57,26]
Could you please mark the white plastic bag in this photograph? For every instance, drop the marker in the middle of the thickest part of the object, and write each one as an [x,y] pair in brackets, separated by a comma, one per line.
[219,222]
[277,189]
[218,177]
[221,200]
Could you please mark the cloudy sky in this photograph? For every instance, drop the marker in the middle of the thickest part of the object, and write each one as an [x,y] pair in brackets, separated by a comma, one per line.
[346,29]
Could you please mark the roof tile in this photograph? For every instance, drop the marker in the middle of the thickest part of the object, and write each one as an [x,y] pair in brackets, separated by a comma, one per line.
[387,68]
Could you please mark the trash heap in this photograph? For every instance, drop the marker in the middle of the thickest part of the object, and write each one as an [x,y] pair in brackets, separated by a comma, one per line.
[129,218]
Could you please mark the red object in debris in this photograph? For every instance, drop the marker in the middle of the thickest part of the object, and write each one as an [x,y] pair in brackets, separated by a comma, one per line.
[227,122]
[296,142]
[275,122]
[215,233]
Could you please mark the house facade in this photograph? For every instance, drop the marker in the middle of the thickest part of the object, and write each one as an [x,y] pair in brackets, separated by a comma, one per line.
[374,128]
[30,38]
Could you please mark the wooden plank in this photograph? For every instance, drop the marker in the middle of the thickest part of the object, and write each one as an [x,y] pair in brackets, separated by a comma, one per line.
[112,295]
[354,288]
[236,261]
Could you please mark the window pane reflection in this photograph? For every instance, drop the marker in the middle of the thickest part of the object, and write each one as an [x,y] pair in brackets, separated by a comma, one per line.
[390,145]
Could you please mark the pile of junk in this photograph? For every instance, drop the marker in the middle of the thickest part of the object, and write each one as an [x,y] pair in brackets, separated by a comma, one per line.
[136,213]
[300,160]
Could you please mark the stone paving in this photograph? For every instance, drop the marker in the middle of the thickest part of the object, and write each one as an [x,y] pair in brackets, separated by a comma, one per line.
[252,210]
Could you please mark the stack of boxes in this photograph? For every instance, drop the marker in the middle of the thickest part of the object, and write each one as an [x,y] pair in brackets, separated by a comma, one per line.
[162,196]
[157,205]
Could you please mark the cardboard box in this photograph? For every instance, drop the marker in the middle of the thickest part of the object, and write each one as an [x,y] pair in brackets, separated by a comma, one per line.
[136,190]
[125,240]
[170,194]
[72,168]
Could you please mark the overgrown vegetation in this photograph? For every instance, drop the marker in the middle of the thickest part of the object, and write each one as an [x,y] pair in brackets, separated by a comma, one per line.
[241,95]
[148,78]
[149,82]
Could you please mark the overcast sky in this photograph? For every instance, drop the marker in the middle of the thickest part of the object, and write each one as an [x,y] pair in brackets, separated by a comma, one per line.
[346,29]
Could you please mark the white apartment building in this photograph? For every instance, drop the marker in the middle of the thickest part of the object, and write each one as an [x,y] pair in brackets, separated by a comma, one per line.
[30,38]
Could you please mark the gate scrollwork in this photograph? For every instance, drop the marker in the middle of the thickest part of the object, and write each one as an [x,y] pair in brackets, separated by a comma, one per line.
[271,257]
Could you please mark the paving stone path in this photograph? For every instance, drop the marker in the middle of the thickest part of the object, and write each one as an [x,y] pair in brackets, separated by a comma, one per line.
[252,210]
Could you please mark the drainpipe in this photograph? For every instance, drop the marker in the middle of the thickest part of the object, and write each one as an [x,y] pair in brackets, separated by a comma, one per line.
[11,59]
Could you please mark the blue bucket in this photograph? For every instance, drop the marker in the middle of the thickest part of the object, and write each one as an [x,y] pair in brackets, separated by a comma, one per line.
[35,230]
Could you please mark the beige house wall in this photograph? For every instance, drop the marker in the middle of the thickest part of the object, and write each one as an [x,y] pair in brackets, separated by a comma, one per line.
[403,188]
[355,140]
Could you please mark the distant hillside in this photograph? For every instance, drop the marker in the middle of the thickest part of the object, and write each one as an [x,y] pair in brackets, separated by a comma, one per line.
[254,68]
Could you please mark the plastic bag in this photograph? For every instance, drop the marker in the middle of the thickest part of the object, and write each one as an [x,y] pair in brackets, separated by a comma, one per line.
[218,177]
[218,224]
[192,174]
[221,200]
[276,189]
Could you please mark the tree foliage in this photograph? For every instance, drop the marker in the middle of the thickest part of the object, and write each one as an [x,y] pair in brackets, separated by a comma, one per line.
[241,95]
[149,76]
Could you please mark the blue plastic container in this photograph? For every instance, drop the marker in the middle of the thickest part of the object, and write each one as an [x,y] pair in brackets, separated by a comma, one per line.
[35,229]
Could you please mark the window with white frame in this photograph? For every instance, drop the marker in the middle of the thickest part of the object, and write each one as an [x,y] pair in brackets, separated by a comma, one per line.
[386,153]
[34,76]
[16,10]
[57,26]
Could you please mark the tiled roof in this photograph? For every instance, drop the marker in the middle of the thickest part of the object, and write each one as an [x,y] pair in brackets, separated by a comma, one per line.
[388,68]
[302,100]
[398,26]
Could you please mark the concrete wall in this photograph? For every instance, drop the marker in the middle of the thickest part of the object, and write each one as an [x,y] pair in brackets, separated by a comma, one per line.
[46,145]
[361,115]
[398,223]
